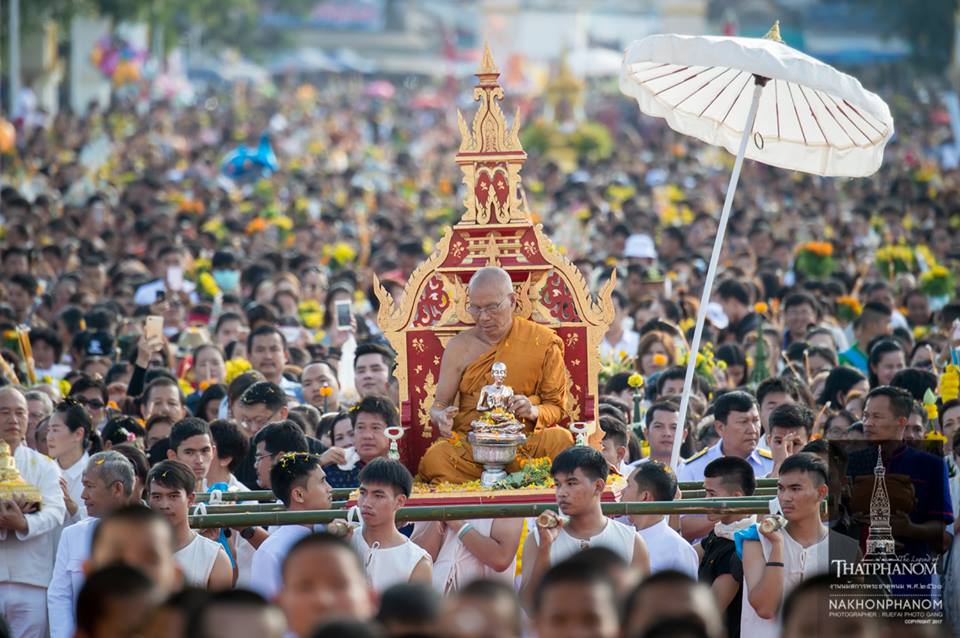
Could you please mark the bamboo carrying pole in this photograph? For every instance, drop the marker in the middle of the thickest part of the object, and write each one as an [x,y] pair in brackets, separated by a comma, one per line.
[740,505]
[240,508]
[344,492]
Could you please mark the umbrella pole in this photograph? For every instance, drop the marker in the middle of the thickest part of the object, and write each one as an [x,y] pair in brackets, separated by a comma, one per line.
[712,270]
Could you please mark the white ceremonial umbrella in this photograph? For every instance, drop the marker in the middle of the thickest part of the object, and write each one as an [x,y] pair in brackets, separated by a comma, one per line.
[801,114]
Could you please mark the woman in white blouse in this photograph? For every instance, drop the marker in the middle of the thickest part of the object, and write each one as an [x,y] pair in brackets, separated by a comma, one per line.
[70,440]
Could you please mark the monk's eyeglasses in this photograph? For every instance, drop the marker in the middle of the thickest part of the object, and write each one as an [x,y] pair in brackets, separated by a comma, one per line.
[492,308]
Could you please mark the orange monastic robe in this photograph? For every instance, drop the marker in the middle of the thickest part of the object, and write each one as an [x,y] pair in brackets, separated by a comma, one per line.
[534,358]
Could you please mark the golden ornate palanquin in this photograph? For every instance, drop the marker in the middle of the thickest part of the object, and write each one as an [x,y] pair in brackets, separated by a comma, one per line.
[495,230]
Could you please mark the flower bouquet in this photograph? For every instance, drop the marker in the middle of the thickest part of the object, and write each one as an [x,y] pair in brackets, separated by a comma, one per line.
[705,363]
[937,282]
[893,260]
[615,364]
[848,308]
[815,259]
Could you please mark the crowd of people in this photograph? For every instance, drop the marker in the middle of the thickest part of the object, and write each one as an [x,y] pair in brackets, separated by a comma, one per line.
[832,332]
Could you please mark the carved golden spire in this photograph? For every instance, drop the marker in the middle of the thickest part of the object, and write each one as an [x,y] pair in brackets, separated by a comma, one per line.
[774,33]
[490,154]
[487,65]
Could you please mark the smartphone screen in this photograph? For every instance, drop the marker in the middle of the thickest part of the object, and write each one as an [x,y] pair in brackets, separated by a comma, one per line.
[175,278]
[153,327]
[343,314]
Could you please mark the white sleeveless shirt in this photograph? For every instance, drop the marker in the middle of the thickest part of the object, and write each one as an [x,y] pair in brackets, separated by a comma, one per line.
[456,566]
[387,566]
[615,536]
[197,559]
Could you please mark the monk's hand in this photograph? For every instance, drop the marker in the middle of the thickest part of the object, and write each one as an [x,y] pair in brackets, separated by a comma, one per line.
[443,418]
[522,407]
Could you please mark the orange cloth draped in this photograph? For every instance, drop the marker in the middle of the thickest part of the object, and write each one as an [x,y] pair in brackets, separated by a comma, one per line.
[534,358]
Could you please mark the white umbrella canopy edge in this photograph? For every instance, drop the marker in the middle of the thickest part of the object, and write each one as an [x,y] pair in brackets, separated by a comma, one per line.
[811,117]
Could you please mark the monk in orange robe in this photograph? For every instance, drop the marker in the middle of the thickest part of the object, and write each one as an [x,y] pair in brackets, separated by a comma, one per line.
[533,355]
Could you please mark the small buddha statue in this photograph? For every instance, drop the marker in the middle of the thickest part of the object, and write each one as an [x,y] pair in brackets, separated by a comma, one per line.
[495,419]
[497,394]
[8,465]
[11,483]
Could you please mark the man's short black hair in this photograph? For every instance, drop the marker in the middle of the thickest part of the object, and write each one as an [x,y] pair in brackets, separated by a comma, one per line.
[322,540]
[86,382]
[668,577]
[26,281]
[263,331]
[615,430]
[771,385]
[382,471]
[160,382]
[231,442]
[291,469]
[656,477]
[231,598]
[49,337]
[268,393]
[901,401]
[659,406]
[370,347]
[735,401]
[679,373]
[282,436]
[185,428]
[589,460]
[820,585]
[573,573]
[173,475]
[915,381]
[809,463]
[801,299]
[733,472]
[380,406]
[136,514]
[734,289]
[791,415]
[410,604]
[105,586]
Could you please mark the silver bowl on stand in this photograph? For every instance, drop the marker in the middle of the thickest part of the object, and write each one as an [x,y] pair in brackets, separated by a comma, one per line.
[495,454]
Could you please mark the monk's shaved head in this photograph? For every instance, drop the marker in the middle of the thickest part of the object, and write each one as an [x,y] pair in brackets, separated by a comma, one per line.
[491,278]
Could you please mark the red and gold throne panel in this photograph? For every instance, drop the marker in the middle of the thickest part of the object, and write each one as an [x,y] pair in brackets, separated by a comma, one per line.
[496,230]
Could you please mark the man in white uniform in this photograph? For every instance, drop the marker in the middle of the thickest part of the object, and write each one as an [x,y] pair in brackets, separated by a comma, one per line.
[107,485]
[299,482]
[654,481]
[388,556]
[26,544]
[580,475]
[783,558]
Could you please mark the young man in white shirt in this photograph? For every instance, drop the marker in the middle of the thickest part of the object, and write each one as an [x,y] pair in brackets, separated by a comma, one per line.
[654,481]
[776,563]
[170,489]
[388,556]
[26,545]
[580,476]
[107,485]
[300,483]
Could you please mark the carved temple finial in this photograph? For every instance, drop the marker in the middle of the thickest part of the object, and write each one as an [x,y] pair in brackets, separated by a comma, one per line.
[487,65]
[490,154]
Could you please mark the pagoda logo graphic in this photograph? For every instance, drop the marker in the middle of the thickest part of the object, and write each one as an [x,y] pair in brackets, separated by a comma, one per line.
[880,545]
